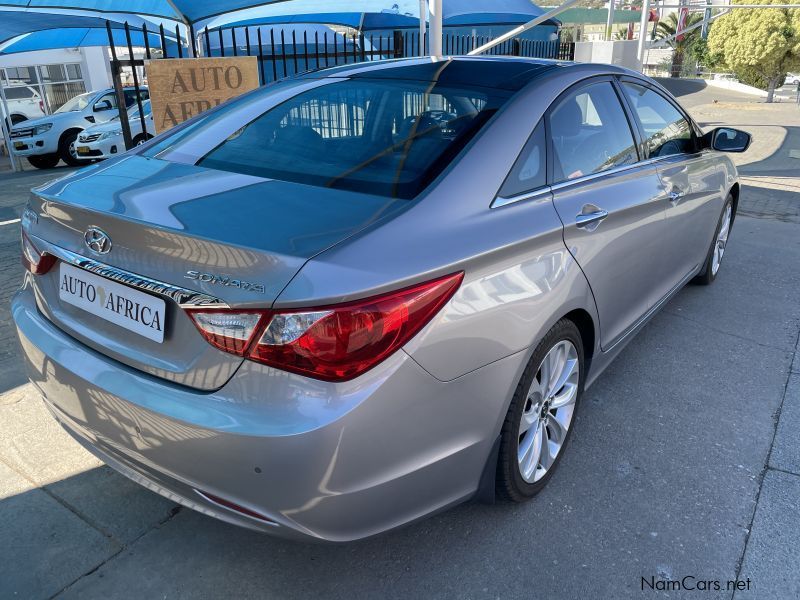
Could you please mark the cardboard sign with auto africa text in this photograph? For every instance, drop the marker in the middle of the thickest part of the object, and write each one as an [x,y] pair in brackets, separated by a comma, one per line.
[181,88]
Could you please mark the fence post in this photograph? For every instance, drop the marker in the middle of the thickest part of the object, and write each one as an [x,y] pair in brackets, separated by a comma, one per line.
[116,75]
[398,43]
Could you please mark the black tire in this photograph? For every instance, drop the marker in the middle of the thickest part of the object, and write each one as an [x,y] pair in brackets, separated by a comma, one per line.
[44,161]
[141,139]
[64,144]
[707,275]
[510,484]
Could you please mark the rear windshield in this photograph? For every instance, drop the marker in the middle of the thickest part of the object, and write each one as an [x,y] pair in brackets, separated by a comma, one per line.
[390,138]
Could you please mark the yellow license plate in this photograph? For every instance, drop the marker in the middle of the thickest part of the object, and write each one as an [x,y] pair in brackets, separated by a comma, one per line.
[19,145]
[83,149]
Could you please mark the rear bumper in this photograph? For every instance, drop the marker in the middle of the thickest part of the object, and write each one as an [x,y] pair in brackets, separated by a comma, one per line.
[325,461]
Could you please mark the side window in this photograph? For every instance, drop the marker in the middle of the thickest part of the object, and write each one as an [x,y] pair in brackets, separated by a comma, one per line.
[130,97]
[106,102]
[666,130]
[590,133]
[528,173]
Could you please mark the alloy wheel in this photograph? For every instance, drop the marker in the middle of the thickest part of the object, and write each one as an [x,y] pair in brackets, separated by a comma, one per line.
[549,407]
[722,240]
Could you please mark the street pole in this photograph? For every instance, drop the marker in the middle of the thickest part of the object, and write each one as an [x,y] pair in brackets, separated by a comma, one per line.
[6,134]
[706,17]
[435,12]
[610,22]
[423,17]
[643,31]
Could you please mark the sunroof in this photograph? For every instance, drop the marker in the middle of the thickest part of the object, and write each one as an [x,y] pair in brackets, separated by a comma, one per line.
[506,73]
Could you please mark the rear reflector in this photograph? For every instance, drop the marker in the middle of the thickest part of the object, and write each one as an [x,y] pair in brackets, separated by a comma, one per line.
[332,343]
[35,261]
[235,507]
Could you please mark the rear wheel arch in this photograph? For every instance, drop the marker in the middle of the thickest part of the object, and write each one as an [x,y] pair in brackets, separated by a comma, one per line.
[586,325]
[70,131]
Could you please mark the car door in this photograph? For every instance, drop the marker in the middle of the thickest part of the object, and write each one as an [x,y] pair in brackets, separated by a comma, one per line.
[611,204]
[691,177]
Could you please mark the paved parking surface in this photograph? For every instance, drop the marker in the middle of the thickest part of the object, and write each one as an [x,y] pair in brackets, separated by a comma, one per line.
[685,461]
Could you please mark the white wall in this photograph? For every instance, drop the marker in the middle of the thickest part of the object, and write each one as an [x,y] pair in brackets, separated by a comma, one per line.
[96,67]
[93,60]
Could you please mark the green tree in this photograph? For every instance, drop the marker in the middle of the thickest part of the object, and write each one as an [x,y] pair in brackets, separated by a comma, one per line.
[669,26]
[759,45]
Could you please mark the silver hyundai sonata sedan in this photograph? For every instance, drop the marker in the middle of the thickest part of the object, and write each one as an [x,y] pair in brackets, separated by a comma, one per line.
[353,298]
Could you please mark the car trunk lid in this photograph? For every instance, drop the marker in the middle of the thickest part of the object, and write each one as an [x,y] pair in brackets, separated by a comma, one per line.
[233,237]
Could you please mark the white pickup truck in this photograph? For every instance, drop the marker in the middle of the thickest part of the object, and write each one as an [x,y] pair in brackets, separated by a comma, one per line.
[24,102]
[49,139]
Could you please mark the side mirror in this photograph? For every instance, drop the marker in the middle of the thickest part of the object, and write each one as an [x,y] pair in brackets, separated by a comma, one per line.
[102,105]
[727,139]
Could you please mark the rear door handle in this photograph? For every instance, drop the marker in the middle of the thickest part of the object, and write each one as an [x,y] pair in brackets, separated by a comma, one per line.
[590,220]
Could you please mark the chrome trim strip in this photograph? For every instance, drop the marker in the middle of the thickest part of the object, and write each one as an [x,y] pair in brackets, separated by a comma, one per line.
[184,297]
[502,201]
[592,176]
[656,307]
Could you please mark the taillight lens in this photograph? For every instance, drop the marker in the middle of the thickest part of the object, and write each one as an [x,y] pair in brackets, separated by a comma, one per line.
[35,261]
[228,331]
[333,343]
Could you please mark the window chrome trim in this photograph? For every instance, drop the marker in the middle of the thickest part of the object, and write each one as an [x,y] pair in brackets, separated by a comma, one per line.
[185,298]
[500,201]
[599,174]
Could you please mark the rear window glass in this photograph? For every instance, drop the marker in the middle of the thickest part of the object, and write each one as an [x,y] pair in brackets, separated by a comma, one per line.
[390,138]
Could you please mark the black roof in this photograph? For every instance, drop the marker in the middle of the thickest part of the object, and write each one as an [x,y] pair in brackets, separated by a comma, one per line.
[507,73]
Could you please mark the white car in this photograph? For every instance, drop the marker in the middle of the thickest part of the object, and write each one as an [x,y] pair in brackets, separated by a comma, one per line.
[49,139]
[105,140]
[793,78]
[24,102]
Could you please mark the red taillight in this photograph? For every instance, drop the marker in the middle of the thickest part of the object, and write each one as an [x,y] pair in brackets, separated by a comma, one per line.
[333,343]
[35,261]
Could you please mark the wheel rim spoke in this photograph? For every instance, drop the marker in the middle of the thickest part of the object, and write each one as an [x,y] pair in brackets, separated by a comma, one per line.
[568,395]
[529,419]
[530,451]
[722,240]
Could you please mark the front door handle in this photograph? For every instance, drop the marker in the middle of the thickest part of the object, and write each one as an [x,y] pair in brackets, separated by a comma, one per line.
[590,220]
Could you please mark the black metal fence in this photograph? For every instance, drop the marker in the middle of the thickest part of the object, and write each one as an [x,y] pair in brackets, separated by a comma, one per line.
[282,54]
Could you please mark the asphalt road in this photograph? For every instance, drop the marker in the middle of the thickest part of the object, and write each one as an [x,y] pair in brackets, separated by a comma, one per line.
[684,462]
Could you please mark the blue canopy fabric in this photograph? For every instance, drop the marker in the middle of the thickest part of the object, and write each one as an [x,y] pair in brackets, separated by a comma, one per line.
[80,37]
[383,13]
